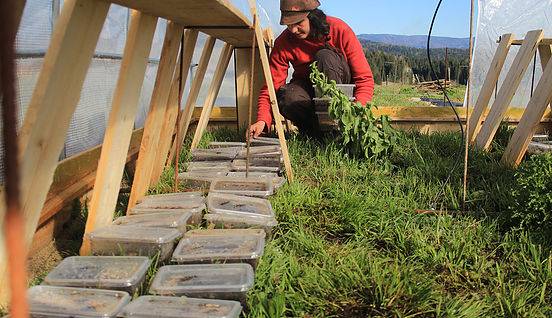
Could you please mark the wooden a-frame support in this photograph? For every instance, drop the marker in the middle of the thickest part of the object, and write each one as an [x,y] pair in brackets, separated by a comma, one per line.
[54,100]
[154,120]
[121,122]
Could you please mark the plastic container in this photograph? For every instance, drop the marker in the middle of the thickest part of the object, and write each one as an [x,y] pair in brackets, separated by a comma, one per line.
[216,281]
[239,165]
[209,165]
[221,248]
[126,273]
[218,232]
[226,144]
[134,241]
[180,307]
[230,221]
[347,89]
[171,196]
[262,141]
[243,186]
[214,154]
[239,205]
[171,220]
[195,218]
[200,180]
[277,181]
[53,301]
[172,203]
[261,151]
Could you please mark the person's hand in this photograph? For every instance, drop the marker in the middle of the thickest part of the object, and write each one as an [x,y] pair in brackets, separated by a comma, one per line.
[256,129]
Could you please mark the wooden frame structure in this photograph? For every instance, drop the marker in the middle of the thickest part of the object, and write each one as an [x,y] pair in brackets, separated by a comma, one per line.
[61,79]
[482,133]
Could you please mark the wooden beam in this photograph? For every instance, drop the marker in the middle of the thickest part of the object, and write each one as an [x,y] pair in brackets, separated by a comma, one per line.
[517,147]
[186,115]
[173,104]
[273,101]
[212,94]
[242,62]
[121,122]
[545,53]
[541,42]
[52,105]
[154,121]
[476,119]
[508,89]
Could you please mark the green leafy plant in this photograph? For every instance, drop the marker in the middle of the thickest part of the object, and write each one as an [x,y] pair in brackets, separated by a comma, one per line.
[532,196]
[363,134]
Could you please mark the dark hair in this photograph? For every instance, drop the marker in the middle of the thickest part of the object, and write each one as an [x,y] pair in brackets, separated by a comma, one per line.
[320,29]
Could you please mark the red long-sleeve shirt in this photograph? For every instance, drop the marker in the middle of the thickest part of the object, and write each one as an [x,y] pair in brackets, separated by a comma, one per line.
[300,53]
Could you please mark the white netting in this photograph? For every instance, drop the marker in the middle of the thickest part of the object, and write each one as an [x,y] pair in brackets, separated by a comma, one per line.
[497,17]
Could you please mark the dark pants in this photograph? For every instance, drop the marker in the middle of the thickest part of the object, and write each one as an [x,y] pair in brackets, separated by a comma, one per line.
[295,99]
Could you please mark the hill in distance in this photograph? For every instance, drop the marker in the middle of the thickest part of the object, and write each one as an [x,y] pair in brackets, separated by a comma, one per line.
[417,41]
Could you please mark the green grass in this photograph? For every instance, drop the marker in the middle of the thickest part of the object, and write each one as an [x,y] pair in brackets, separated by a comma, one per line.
[408,95]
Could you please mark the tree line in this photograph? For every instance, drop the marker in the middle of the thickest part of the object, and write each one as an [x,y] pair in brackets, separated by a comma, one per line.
[401,64]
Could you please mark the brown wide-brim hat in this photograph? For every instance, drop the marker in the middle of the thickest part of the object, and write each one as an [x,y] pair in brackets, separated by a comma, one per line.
[295,11]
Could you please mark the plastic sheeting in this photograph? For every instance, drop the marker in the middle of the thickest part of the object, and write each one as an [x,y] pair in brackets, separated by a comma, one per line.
[497,17]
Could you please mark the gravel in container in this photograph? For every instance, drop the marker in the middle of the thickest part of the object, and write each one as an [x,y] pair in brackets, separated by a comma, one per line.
[226,144]
[181,307]
[53,301]
[134,241]
[243,186]
[171,220]
[213,281]
[237,205]
[195,218]
[230,221]
[125,273]
[277,181]
[216,154]
[221,248]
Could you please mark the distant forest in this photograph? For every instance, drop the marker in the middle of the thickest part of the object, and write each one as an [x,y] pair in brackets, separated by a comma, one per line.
[402,64]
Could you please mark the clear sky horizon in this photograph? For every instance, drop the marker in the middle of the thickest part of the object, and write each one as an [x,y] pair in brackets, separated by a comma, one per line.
[404,17]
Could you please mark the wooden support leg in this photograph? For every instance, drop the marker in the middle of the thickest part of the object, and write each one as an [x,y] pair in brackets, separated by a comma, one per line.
[508,89]
[545,52]
[154,121]
[242,62]
[517,147]
[121,122]
[188,110]
[273,101]
[52,105]
[212,94]
[489,85]
[173,104]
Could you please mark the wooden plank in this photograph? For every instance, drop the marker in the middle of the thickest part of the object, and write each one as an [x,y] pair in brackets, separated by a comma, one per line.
[508,89]
[121,122]
[476,119]
[154,121]
[212,94]
[545,53]
[173,104]
[274,101]
[517,147]
[242,62]
[542,42]
[54,99]
[186,115]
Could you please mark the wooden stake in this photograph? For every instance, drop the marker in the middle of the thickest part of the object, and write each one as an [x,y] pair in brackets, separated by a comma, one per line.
[154,121]
[250,112]
[52,105]
[186,117]
[508,89]
[121,123]
[212,94]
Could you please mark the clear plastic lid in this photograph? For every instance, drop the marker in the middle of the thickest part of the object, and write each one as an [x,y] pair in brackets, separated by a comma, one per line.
[214,154]
[260,141]
[239,206]
[269,166]
[195,279]
[135,234]
[221,232]
[172,203]
[177,220]
[211,248]
[181,307]
[209,165]
[99,271]
[277,181]
[52,301]
[171,196]
[232,221]
[226,144]
[241,186]
[204,174]
[271,151]
[139,211]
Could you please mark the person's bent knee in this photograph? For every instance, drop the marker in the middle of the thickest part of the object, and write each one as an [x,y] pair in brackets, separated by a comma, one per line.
[324,55]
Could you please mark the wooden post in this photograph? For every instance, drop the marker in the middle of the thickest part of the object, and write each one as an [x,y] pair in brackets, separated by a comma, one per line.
[154,121]
[52,105]
[242,62]
[121,122]
[173,104]
[212,94]
[273,100]
[489,85]
[508,89]
[188,110]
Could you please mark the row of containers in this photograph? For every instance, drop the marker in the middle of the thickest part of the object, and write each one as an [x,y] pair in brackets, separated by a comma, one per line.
[166,258]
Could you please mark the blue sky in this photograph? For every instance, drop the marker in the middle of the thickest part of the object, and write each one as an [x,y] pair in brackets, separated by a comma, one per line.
[406,17]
